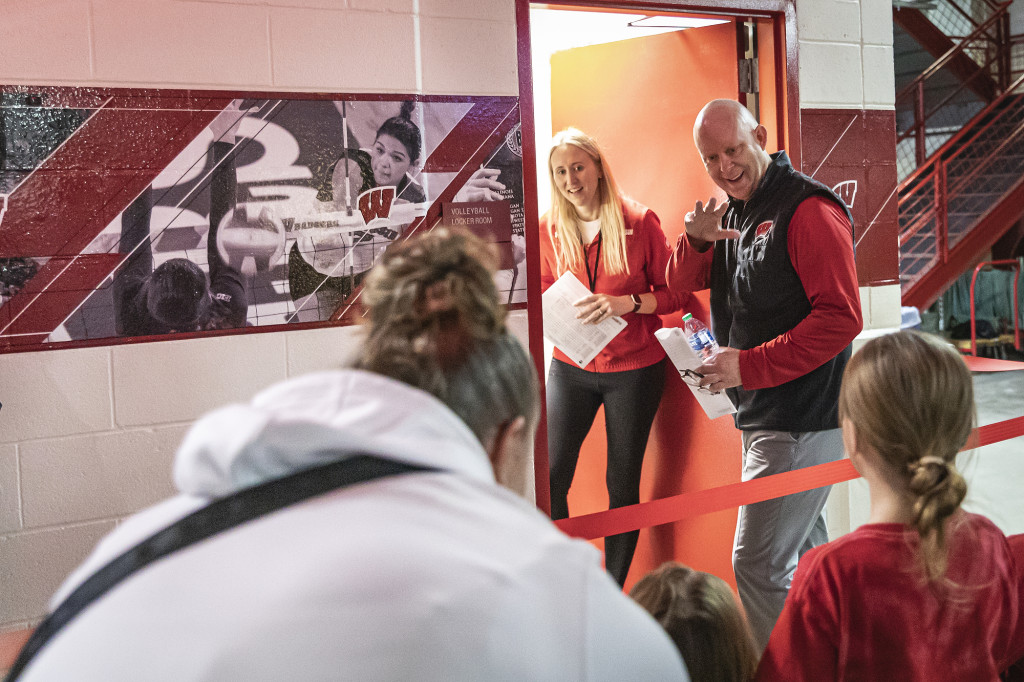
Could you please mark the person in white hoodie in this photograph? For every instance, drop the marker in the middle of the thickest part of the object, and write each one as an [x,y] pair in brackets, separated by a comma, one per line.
[440,574]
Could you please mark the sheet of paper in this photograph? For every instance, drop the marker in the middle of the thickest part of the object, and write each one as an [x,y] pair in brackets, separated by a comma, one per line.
[686,362]
[581,342]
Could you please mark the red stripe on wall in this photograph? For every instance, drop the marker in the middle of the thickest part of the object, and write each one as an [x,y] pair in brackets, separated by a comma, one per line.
[465,139]
[61,207]
[55,292]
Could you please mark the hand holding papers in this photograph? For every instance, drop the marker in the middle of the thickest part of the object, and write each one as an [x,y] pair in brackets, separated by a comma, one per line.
[581,342]
[687,363]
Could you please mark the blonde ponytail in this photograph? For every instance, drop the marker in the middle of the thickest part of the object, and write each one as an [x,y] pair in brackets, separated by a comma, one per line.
[911,399]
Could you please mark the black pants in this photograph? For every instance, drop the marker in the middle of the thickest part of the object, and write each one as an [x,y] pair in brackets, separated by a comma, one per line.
[630,400]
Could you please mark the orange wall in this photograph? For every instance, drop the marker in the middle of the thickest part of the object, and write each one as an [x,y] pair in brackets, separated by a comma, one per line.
[639,98]
[766,81]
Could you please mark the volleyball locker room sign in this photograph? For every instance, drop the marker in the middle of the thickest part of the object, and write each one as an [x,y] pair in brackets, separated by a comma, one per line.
[141,213]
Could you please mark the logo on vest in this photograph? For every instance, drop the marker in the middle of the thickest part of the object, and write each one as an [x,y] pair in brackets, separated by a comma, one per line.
[762,232]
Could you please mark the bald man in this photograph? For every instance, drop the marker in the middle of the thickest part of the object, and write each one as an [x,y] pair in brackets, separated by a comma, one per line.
[785,306]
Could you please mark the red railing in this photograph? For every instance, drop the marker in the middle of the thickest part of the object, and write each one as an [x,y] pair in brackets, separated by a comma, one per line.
[987,46]
[1016,302]
[983,160]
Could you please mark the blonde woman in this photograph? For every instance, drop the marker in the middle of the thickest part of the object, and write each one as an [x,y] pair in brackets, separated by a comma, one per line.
[924,590]
[616,248]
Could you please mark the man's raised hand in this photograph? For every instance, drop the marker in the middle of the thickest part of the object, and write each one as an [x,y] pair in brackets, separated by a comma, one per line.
[704,223]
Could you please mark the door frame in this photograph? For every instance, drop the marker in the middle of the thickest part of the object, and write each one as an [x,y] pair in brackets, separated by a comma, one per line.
[783,16]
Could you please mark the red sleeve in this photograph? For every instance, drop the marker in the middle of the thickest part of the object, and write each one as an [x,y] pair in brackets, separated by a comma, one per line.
[688,269]
[820,242]
[1016,653]
[804,643]
[655,264]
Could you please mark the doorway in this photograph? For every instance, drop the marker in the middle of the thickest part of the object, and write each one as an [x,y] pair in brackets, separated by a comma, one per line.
[635,81]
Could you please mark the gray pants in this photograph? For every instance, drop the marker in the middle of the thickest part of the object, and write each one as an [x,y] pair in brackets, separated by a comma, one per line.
[772,535]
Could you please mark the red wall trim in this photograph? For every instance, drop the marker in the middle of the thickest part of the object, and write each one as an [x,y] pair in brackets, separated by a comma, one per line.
[535,316]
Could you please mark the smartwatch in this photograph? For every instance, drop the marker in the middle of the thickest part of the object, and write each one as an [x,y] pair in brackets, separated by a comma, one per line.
[636,301]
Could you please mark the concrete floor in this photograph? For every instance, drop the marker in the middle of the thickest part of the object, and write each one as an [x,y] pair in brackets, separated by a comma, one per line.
[995,473]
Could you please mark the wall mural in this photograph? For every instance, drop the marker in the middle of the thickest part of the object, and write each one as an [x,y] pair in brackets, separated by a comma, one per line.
[140,213]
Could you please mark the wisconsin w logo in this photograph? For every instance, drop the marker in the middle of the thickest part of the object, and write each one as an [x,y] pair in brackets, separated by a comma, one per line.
[375,204]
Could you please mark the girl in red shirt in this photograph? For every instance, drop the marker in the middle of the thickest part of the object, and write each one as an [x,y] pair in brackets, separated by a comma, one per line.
[924,590]
[615,247]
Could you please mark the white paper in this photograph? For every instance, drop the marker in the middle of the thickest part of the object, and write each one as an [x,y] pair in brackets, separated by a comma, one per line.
[686,361]
[581,342]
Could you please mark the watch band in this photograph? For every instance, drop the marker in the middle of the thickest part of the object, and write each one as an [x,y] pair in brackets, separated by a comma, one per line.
[636,302]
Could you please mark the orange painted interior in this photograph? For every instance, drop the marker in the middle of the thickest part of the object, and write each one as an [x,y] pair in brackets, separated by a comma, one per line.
[766,74]
[639,99]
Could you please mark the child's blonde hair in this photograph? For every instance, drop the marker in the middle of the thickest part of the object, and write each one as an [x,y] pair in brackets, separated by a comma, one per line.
[910,399]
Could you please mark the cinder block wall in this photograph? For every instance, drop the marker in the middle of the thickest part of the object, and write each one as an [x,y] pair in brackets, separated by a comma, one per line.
[87,436]
[846,63]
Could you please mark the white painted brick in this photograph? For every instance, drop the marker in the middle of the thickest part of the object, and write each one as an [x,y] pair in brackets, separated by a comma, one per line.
[518,323]
[828,20]
[37,563]
[54,393]
[174,381]
[406,6]
[467,56]
[865,306]
[489,10]
[876,22]
[319,349]
[885,306]
[44,41]
[10,490]
[96,476]
[830,75]
[343,50]
[193,43]
[879,76]
[323,4]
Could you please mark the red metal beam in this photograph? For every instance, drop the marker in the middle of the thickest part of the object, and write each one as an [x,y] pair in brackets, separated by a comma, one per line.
[937,44]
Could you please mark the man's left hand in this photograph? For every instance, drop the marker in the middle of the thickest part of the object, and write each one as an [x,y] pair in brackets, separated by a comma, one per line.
[721,371]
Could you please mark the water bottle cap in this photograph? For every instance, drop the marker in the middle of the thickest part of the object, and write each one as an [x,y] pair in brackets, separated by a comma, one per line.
[687,316]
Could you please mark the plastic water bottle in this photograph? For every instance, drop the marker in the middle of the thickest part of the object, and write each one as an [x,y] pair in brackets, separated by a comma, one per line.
[699,337]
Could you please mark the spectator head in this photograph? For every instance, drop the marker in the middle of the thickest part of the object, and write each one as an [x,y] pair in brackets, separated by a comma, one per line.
[435,322]
[178,295]
[907,407]
[700,612]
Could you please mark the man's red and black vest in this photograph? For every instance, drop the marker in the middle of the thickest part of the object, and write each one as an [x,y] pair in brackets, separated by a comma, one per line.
[756,296]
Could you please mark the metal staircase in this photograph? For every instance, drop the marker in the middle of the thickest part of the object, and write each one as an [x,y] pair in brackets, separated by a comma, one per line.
[963,181]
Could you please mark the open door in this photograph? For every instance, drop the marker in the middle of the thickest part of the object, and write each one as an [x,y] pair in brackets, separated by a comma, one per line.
[639,98]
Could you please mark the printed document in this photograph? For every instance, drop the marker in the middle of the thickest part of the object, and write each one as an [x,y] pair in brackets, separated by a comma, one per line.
[581,342]
[687,363]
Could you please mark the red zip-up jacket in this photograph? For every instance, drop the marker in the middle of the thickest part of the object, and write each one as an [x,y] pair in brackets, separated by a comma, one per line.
[647,253]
